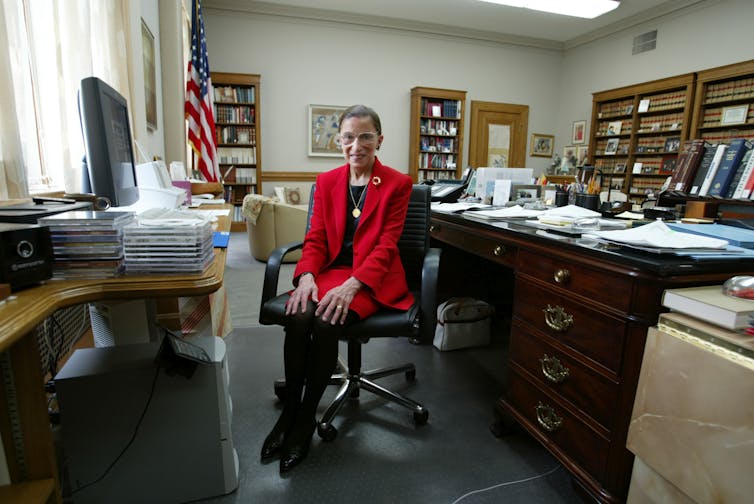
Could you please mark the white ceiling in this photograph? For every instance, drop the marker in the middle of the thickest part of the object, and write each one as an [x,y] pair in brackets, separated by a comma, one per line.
[468,18]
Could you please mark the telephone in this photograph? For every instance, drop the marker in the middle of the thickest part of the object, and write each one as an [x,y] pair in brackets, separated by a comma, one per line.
[447,191]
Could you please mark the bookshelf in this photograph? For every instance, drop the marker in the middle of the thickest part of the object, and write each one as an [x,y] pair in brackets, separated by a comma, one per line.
[236,106]
[637,131]
[724,103]
[436,135]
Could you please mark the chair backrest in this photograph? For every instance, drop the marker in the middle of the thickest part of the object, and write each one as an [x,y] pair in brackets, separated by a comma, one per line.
[414,240]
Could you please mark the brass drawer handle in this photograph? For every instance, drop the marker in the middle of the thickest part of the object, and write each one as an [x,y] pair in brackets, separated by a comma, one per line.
[562,276]
[499,250]
[557,319]
[547,418]
[433,228]
[553,369]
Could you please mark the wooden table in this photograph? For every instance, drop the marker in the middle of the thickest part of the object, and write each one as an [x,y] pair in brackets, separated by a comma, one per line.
[31,456]
[580,313]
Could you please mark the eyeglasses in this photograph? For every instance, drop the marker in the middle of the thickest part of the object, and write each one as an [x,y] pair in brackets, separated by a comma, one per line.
[363,138]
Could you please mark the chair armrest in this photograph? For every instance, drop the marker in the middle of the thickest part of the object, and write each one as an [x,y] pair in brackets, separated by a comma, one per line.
[428,311]
[272,270]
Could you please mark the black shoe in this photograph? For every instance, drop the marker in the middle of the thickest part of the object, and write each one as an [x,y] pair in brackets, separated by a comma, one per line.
[296,446]
[273,443]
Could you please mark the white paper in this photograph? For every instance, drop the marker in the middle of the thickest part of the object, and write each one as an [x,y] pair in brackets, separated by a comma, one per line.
[658,234]
[566,214]
[455,207]
[507,212]
[502,192]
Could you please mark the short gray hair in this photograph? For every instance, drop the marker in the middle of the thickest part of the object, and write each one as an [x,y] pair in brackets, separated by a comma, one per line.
[361,111]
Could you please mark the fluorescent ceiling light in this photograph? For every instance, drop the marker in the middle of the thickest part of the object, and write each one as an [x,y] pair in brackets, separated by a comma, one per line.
[589,9]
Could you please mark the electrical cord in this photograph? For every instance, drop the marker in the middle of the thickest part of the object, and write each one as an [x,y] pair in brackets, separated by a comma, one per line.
[507,483]
[130,441]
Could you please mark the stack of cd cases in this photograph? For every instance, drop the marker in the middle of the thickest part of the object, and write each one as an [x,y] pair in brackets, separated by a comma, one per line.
[168,245]
[87,244]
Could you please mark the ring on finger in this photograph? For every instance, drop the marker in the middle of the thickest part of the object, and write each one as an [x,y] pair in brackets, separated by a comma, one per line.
[339,307]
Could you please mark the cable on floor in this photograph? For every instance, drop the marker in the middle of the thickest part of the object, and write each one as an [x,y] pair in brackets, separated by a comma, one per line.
[507,483]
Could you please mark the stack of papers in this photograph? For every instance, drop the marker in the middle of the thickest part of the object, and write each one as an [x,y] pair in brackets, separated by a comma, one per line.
[658,237]
[512,212]
[565,215]
[457,207]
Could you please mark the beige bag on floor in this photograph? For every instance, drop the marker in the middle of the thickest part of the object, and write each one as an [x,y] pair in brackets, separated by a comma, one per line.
[463,322]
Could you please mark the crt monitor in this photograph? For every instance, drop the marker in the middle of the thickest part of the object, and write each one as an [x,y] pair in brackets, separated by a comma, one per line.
[107,139]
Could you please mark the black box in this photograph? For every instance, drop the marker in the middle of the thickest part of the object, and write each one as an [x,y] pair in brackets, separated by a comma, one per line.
[28,213]
[25,254]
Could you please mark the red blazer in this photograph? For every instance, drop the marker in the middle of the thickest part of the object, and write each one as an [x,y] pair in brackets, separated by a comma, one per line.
[376,262]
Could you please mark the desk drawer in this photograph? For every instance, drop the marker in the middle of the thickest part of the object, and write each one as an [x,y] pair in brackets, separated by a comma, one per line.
[602,286]
[553,312]
[586,389]
[490,248]
[549,418]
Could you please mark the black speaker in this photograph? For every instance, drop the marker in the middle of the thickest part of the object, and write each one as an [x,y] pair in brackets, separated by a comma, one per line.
[25,254]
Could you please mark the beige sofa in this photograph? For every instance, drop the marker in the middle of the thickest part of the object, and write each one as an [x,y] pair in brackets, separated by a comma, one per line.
[271,223]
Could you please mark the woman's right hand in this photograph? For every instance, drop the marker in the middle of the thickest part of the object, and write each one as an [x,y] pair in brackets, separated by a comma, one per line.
[305,290]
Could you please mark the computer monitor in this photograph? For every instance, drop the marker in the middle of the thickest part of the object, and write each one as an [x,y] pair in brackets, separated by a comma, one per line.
[107,138]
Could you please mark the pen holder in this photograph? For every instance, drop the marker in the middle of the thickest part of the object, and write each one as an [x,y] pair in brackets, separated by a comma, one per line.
[589,201]
[561,198]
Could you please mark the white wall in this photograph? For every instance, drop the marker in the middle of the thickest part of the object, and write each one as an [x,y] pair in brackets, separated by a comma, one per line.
[304,63]
[309,62]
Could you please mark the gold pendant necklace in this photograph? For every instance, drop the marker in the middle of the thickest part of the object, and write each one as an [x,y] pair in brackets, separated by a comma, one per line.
[356,212]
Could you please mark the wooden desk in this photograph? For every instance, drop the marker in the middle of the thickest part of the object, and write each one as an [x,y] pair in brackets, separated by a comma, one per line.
[579,322]
[31,457]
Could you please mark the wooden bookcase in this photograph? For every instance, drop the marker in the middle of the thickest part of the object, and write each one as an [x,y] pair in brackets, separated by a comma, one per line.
[724,95]
[236,106]
[636,133]
[436,135]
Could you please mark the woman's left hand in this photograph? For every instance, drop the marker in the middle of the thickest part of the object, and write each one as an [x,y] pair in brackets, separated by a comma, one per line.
[334,305]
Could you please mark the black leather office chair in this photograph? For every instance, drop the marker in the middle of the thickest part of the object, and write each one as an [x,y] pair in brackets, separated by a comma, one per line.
[421,264]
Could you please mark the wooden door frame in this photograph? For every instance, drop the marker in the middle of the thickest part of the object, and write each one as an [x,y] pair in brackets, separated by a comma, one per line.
[518,138]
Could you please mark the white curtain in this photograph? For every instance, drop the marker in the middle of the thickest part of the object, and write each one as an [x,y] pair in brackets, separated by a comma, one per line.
[48,46]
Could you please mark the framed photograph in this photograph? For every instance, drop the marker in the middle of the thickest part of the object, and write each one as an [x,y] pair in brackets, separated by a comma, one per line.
[150,83]
[582,154]
[612,146]
[620,168]
[672,144]
[541,145]
[734,115]
[521,191]
[629,110]
[613,127]
[569,159]
[323,130]
[578,133]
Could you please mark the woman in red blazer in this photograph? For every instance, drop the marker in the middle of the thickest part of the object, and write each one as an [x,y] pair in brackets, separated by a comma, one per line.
[349,269]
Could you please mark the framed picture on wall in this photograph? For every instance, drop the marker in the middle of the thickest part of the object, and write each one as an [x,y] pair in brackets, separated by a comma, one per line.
[541,145]
[150,85]
[323,130]
[578,132]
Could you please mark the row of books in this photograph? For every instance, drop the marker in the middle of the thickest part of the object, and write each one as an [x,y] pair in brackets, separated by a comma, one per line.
[438,174]
[234,94]
[438,144]
[437,160]
[674,99]
[441,108]
[731,90]
[658,144]
[235,194]
[669,122]
[722,170]
[727,135]
[438,127]
[237,134]
[243,114]
[240,175]
[614,128]
[645,186]
[237,155]
[623,107]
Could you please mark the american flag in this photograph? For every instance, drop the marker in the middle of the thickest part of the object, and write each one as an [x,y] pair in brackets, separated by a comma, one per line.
[201,120]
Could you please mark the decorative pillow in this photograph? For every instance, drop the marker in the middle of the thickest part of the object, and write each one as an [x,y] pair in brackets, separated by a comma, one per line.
[293,195]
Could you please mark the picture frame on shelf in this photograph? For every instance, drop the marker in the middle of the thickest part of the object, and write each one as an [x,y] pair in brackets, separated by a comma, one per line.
[582,154]
[569,159]
[735,114]
[525,191]
[614,127]
[541,145]
[612,146]
[578,132]
[323,130]
[619,168]
[629,109]
[672,144]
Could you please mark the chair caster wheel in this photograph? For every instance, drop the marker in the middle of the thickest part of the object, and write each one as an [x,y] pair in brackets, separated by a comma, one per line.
[327,432]
[411,375]
[421,417]
[281,390]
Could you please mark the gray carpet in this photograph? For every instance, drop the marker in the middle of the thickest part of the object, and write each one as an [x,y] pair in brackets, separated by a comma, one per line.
[380,456]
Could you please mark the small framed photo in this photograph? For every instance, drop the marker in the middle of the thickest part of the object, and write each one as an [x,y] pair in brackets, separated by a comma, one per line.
[672,144]
[323,130]
[614,127]
[620,168]
[541,145]
[582,154]
[612,146]
[578,134]
[734,115]
[629,110]
[521,191]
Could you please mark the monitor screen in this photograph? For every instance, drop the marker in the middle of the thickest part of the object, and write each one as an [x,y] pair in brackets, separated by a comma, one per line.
[107,139]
